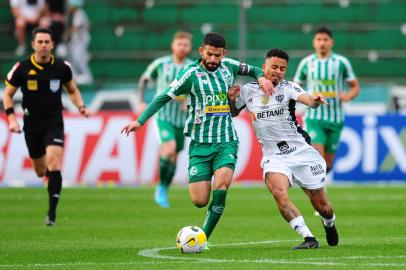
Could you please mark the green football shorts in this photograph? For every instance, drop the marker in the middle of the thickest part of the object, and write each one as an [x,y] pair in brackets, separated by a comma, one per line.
[324,133]
[205,158]
[168,132]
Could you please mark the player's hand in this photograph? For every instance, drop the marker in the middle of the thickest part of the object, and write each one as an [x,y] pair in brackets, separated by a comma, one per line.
[13,126]
[319,99]
[266,86]
[85,112]
[233,92]
[345,97]
[132,126]
[141,107]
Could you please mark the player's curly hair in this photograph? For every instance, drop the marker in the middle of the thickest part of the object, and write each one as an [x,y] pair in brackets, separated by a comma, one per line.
[277,53]
[214,39]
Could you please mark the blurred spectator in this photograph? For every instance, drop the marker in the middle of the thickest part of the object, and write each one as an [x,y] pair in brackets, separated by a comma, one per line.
[55,19]
[27,14]
[79,39]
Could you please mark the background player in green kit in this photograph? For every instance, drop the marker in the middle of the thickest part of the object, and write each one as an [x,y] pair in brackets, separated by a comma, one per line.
[326,73]
[171,118]
[214,143]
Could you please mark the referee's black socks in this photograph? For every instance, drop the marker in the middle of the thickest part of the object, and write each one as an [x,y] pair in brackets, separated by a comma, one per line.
[54,191]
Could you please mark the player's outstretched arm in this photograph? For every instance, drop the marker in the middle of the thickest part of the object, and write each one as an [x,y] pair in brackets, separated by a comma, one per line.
[156,104]
[311,101]
[180,86]
[257,73]
[243,69]
[130,127]
[76,98]
[8,105]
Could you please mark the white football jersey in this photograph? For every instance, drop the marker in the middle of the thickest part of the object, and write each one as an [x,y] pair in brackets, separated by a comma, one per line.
[274,119]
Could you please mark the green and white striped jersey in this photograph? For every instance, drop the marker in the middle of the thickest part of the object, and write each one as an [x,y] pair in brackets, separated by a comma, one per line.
[209,118]
[326,77]
[163,70]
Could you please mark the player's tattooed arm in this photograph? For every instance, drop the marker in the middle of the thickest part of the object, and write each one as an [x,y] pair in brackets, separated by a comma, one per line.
[232,95]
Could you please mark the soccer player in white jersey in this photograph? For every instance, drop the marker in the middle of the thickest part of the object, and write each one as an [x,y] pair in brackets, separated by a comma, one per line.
[288,157]
[170,120]
[326,72]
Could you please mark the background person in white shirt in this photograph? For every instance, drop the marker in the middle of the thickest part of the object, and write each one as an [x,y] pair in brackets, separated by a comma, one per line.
[27,14]
[288,157]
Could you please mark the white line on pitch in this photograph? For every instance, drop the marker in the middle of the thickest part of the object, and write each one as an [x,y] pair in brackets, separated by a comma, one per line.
[154,253]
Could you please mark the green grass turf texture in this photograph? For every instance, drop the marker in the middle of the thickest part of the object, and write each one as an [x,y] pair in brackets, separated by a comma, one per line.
[106,228]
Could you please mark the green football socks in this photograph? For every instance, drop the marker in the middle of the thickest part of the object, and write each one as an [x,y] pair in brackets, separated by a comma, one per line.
[166,171]
[215,211]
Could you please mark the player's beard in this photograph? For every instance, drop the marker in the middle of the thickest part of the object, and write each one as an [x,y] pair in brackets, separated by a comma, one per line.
[210,66]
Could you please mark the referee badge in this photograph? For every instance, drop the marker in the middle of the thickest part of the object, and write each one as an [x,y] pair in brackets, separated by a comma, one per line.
[32,85]
[54,85]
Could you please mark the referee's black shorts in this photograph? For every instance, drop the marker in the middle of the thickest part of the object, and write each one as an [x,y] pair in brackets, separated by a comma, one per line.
[41,132]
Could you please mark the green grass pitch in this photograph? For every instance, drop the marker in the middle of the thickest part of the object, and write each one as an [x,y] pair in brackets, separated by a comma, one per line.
[122,228]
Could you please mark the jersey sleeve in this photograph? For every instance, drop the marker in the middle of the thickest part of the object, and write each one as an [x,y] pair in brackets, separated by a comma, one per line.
[294,91]
[156,104]
[67,74]
[152,70]
[348,74]
[243,69]
[182,85]
[301,72]
[14,77]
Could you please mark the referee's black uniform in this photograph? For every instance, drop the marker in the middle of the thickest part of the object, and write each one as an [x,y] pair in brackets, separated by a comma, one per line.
[41,86]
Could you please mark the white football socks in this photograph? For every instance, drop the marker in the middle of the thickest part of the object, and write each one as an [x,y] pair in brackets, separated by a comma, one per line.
[329,222]
[298,224]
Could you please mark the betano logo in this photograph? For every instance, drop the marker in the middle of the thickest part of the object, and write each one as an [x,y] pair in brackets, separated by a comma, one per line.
[215,98]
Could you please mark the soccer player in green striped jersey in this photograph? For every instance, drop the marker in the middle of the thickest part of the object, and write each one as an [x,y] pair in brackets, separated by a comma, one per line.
[326,73]
[171,118]
[214,142]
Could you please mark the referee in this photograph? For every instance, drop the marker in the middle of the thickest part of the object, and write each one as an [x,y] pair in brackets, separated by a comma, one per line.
[41,79]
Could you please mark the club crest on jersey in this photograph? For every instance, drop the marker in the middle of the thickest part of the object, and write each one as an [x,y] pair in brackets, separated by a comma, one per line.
[264,100]
[54,85]
[279,98]
[226,76]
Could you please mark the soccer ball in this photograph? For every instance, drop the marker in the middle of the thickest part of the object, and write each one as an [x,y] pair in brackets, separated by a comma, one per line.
[191,239]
